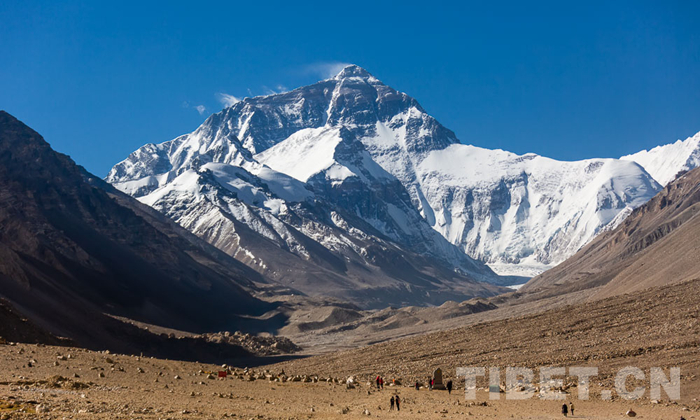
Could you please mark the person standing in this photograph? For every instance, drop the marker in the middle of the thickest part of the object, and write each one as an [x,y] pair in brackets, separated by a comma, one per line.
[571,408]
[417,386]
[449,386]
[392,403]
[564,409]
[398,403]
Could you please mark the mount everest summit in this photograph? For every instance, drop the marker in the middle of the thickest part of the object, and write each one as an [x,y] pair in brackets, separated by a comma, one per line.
[348,187]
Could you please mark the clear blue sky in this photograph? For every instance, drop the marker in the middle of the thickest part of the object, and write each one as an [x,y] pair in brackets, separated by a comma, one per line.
[568,80]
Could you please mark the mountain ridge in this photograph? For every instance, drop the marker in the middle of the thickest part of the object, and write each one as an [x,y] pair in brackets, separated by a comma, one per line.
[667,162]
[657,244]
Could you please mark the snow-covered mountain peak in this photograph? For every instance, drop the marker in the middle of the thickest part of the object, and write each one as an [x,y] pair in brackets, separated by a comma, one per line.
[353,99]
[354,146]
[354,71]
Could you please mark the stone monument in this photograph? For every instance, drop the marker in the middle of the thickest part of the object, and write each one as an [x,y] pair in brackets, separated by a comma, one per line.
[437,379]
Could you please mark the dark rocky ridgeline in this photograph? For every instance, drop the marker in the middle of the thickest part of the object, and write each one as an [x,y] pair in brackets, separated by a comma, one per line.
[73,254]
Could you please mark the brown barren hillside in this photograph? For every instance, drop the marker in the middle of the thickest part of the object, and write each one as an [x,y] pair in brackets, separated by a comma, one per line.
[73,255]
[658,243]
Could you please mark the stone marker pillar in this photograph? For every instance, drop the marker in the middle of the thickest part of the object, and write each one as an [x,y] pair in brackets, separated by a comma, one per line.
[437,379]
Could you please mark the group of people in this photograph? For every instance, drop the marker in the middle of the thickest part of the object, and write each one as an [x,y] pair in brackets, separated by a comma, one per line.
[565,410]
[395,400]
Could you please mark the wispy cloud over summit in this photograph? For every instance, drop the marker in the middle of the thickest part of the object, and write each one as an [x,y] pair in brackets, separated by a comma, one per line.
[226,99]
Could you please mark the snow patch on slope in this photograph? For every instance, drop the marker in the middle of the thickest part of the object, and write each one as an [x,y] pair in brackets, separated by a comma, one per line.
[305,154]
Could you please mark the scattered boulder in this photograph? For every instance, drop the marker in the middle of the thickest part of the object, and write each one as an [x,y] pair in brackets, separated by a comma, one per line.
[631,413]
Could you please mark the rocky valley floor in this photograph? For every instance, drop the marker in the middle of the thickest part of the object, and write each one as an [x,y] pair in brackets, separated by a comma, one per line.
[105,386]
[657,327]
